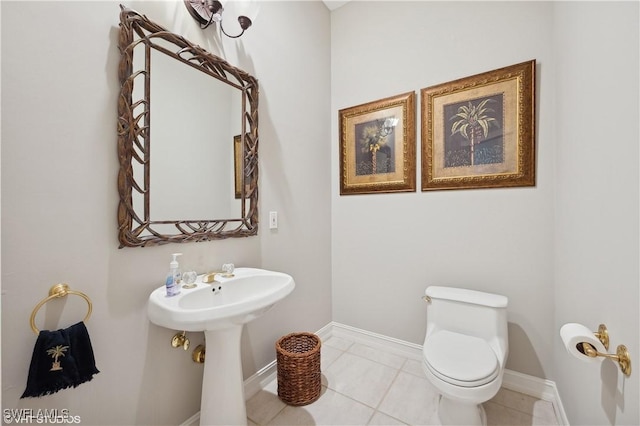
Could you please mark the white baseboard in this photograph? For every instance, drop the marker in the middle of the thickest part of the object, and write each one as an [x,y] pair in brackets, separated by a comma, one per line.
[523,383]
[390,344]
[192,421]
[537,388]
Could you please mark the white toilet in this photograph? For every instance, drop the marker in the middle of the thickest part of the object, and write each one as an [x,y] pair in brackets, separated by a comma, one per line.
[465,351]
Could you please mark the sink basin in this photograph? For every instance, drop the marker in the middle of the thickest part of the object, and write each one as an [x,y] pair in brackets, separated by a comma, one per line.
[220,309]
[222,304]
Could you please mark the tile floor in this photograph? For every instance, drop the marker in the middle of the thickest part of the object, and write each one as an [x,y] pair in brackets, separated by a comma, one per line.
[366,386]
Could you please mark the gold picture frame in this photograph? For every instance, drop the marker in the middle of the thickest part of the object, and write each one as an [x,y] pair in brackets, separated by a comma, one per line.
[378,146]
[479,131]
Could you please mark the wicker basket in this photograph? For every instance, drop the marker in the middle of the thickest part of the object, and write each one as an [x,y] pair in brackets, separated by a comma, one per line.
[299,378]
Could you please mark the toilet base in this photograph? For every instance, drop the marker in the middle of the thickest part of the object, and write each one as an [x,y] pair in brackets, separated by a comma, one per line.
[453,412]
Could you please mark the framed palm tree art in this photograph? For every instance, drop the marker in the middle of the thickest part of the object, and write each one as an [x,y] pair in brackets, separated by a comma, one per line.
[378,146]
[479,131]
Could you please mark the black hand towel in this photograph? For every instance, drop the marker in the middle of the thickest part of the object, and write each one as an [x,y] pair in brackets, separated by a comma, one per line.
[61,359]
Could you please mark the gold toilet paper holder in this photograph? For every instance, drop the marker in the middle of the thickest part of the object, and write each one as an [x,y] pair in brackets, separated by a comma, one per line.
[622,354]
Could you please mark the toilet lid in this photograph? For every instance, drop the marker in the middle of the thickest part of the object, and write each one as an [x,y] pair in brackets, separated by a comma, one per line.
[460,359]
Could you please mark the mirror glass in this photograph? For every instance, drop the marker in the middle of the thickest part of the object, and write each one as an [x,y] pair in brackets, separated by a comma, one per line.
[194,119]
[187,140]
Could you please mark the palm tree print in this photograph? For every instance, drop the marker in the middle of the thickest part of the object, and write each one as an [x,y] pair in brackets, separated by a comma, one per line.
[372,141]
[473,121]
[56,353]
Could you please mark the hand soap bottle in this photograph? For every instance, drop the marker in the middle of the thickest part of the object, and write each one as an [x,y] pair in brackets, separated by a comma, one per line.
[173,279]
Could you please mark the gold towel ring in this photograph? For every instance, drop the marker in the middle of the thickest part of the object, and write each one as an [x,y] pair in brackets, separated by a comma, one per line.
[58,290]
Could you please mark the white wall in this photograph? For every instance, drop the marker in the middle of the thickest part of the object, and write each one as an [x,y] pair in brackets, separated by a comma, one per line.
[596,208]
[387,248]
[547,248]
[59,200]
[564,251]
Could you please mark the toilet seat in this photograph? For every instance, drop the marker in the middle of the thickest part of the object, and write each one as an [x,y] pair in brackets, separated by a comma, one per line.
[459,359]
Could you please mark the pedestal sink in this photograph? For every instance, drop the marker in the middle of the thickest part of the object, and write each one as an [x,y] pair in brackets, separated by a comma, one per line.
[220,309]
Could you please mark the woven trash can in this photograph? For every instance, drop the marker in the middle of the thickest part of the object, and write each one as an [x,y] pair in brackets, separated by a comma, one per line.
[299,377]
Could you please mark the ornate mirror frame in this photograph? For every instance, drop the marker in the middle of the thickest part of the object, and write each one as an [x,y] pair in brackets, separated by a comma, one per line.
[135,228]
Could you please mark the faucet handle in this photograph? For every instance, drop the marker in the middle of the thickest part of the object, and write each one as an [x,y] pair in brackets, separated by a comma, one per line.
[228,269]
[210,277]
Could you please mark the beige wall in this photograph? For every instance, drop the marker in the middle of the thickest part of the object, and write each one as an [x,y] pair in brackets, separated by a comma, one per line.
[566,250]
[388,248]
[361,260]
[59,200]
[596,210]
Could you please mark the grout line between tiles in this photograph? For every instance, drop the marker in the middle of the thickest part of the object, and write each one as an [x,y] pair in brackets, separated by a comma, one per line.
[386,393]
[347,345]
[388,389]
[521,411]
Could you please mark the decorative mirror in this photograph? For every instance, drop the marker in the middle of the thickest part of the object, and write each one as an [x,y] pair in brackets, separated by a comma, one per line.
[187,140]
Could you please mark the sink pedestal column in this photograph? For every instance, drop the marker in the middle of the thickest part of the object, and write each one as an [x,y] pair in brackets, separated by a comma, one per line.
[222,383]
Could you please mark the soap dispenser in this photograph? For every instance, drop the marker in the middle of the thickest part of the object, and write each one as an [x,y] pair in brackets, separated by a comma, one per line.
[173,279]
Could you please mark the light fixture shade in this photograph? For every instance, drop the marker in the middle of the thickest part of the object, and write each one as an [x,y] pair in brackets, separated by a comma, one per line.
[207,12]
[248,8]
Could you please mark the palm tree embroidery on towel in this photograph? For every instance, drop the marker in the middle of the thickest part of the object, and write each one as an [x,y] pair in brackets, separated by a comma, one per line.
[56,352]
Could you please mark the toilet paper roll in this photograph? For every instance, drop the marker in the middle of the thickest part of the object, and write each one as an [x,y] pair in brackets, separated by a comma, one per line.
[573,334]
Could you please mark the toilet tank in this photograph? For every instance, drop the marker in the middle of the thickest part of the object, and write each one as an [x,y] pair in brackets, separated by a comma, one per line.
[470,312]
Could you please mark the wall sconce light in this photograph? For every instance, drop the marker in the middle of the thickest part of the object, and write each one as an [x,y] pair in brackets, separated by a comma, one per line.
[207,12]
